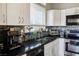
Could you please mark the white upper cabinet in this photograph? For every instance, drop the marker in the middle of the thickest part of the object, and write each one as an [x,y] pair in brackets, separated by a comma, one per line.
[18,13]
[63,18]
[13,14]
[77,10]
[70,11]
[53,18]
[50,20]
[64,13]
[37,14]
[57,18]
[24,13]
[3,15]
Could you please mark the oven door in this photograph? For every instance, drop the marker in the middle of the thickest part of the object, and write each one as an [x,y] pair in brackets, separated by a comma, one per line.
[72,47]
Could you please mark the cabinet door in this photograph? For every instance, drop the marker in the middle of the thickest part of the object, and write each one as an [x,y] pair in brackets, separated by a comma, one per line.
[21,13]
[70,11]
[13,14]
[57,18]
[37,14]
[63,18]
[53,17]
[2,13]
[25,14]
[47,49]
[55,48]
[51,49]
[77,10]
[61,46]
[1,21]
[50,20]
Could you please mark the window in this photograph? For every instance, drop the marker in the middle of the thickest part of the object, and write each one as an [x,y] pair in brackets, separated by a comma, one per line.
[37,15]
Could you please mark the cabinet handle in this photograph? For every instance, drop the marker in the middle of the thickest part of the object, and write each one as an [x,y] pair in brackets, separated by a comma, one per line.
[3,18]
[19,20]
[22,19]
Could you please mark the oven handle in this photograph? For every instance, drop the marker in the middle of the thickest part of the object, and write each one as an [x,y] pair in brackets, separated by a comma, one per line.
[66,46]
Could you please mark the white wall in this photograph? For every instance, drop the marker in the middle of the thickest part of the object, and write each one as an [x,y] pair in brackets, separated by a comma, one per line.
[61,5]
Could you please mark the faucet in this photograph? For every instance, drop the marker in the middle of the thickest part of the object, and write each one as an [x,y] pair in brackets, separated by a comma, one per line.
[29,28]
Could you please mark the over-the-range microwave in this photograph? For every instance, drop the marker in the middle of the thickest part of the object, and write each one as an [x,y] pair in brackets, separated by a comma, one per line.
[72,19]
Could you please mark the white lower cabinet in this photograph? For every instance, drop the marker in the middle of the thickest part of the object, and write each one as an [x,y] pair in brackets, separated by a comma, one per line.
[49,49]
[55,48]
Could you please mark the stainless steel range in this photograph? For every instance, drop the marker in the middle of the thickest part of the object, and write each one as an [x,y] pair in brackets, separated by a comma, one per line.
[73,45]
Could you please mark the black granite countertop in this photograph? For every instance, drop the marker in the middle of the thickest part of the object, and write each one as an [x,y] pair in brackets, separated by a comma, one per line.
[39,42]
[30,45]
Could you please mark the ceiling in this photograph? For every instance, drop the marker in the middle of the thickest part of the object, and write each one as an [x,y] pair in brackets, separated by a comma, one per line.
[61,5]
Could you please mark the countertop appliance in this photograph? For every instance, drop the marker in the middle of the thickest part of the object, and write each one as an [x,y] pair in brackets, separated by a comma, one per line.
[54,31]
[13,39]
